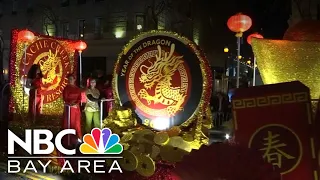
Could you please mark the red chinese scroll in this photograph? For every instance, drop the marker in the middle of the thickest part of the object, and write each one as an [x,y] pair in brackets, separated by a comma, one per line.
[317,128]
[277,121]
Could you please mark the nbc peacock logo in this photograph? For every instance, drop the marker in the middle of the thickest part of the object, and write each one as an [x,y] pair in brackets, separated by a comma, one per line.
[101,141]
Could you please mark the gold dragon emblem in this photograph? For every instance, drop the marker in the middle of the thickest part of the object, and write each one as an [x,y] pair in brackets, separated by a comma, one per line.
[159,74]
[49,67]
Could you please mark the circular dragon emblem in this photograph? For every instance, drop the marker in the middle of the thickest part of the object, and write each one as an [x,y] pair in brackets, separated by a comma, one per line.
[54,64]
[153,76]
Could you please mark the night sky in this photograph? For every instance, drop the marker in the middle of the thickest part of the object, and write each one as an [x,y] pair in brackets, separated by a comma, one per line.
[270,18]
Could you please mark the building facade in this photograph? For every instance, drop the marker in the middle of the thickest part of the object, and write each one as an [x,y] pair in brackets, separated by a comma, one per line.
[105,25]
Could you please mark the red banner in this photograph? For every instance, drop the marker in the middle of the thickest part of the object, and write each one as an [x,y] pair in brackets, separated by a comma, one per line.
[55,58]
[317,127]
[277,121]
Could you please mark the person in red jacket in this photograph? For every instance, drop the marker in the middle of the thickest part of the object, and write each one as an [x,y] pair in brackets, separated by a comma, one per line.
[72,99]
[35,94]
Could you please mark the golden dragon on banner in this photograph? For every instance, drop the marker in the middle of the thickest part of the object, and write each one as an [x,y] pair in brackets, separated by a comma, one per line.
[48,68]
[160,73]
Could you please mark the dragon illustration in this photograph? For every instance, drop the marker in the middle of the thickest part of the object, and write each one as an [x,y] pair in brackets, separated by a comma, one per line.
[48,68]
[160,73]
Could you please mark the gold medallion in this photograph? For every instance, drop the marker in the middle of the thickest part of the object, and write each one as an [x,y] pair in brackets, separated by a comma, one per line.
[161,138]
[171,154]
[126,137]
[155,152]
[129,161]
[146,166]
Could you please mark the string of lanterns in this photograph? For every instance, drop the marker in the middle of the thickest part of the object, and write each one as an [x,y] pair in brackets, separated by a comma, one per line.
[28,36]
[239,24]
[249,39]
[254,35]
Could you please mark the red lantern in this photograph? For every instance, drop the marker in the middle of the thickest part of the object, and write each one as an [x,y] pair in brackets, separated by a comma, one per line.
[254,35]
[80,45]
[26,36]
[239,23]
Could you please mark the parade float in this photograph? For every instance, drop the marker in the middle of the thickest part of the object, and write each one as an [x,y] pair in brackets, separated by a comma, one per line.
[162,87]
[286,105]
[294,58]
[56,58]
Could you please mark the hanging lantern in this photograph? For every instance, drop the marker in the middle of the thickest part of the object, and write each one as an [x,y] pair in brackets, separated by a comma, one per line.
[80,45]
[254,35]
[26,36]
[239,23]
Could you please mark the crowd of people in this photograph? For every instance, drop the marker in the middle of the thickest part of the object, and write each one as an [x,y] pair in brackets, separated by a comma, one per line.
[76,99]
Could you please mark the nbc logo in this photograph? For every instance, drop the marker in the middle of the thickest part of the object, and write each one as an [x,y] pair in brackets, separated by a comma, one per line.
[101,142]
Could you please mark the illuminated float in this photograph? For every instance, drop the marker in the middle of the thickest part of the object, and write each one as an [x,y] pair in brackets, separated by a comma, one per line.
[296,57]
[56,57]
[162,87]
[284,63]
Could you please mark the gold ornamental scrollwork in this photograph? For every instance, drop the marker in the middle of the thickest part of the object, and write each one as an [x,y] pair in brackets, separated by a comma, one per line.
[270,100]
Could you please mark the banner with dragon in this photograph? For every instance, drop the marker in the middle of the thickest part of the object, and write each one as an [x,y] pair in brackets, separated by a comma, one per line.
[162,86]
[164,78]
[56,58]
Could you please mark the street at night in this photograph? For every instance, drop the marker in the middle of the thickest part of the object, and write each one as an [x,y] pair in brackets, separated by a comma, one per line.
[159,90]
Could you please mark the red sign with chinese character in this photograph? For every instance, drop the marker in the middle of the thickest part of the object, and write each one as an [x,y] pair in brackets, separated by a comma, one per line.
[276,120]
[317,127]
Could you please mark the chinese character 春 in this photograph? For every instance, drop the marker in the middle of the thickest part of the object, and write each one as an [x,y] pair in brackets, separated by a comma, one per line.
[272,150]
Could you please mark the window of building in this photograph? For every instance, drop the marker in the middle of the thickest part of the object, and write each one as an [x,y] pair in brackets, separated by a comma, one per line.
[196,34]
[81,1]
[162,20]
[14,7]
[318,10]
[65,29]
[140,22]
[30,10]
[1,9]
[81,27]
[117,23]
[98,27]
[49,28]
[65,3]
[30,7]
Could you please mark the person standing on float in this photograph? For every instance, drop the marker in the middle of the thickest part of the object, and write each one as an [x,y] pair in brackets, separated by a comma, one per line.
[72,99]
[100,82]
[35,94]
[92,109]
[108,93]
